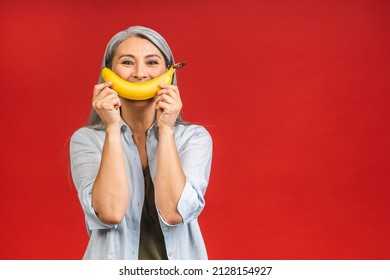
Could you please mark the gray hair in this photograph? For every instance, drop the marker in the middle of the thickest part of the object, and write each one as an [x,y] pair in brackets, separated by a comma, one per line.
[137,31]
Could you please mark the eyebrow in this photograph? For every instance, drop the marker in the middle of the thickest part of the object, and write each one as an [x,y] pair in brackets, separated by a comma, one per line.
[152,55]
[126,54]
[132,56]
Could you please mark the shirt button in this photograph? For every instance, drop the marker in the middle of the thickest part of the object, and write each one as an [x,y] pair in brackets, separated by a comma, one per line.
[151,158]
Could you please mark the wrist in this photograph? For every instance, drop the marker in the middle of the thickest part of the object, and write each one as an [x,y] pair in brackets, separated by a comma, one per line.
[113,128]
[165,131]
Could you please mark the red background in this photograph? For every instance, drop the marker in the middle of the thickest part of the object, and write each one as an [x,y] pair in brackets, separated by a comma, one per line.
[294,93]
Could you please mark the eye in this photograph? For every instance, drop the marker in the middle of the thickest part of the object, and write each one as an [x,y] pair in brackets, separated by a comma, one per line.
[127,62]
[152,62]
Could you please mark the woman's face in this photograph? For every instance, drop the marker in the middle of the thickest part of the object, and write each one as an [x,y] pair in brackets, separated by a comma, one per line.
[138,60]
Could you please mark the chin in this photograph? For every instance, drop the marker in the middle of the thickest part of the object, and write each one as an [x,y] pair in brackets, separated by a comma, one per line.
[139,102]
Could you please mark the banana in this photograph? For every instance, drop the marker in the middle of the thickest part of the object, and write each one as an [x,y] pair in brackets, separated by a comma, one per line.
[139,91]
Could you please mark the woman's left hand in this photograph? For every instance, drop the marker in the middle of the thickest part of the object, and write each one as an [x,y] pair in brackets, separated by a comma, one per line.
[168,105]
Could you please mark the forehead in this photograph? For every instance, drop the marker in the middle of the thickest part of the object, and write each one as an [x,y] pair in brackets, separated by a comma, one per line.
[137,46]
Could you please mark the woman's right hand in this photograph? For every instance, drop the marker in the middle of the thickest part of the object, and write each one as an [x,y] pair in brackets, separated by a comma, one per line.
[106,103]
[110,191]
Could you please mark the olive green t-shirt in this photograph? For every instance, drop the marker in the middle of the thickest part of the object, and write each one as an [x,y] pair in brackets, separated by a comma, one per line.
[152,244]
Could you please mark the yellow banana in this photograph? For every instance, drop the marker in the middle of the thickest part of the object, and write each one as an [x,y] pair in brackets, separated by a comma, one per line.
[138,91]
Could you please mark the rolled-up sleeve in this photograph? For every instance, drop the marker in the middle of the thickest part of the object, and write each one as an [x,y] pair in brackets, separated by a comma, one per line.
[85,157]
[195,156]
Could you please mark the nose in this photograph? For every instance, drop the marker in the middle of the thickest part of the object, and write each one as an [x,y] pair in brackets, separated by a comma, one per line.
[139,72]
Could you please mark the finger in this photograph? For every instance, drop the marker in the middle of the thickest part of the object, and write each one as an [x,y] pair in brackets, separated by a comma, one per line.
[166,107]
[111,104]
[111,99]
[99,87]
[166,98]
[105,92]
[171,89]
[169,97]
[107,102]
[118,104]
[163,85]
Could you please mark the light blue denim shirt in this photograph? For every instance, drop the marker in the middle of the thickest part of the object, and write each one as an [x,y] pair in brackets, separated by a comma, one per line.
[183,241]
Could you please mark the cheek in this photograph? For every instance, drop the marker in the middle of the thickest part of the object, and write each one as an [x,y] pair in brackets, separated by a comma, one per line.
[158,71]
[123,72]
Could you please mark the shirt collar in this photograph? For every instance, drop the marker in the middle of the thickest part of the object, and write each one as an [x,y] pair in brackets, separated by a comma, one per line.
[124,127]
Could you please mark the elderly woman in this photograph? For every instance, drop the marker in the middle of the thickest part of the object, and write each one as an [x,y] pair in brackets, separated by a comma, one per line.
[141,172]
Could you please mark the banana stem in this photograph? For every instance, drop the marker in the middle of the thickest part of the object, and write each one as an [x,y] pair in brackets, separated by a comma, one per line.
[179,65]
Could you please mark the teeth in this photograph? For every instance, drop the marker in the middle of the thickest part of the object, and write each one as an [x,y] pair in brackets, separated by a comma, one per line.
[138,91]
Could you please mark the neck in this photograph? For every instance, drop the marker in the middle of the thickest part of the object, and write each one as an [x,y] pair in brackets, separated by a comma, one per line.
[139,115]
